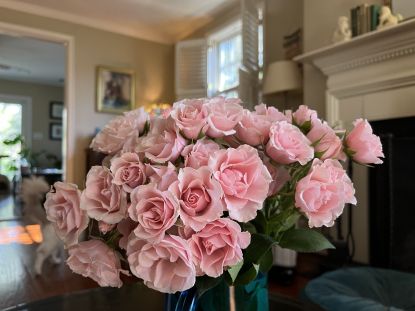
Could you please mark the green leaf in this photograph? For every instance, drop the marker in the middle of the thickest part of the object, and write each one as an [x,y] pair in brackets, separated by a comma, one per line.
[304,240]
[234,270]
[260,222]
[260,244]
[266,261]
[247,274]
[204,283]
[247,226]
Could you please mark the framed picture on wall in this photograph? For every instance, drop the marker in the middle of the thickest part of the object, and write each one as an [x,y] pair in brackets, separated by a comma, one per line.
[56,110]
[55,131]
[115,89]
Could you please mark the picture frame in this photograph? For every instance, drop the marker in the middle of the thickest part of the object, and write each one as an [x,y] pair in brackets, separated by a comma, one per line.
[56,110]
[115,89]
[55,131]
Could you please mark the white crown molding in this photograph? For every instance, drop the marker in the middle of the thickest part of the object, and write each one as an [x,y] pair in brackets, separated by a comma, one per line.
[144,32]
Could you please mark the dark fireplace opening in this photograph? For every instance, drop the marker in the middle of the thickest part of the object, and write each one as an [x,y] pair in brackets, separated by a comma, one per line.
[392,197]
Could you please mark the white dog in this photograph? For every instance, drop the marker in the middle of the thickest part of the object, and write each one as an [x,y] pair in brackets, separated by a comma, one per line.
[33,193]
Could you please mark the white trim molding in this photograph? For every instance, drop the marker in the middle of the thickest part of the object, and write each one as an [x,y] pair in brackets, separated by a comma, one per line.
[69,122]
[142,32]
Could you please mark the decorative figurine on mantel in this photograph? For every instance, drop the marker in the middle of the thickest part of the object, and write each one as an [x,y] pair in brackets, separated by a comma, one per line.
[387,19]
[343,32]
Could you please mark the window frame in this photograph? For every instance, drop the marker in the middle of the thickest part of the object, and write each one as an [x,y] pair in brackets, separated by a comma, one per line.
[214,40]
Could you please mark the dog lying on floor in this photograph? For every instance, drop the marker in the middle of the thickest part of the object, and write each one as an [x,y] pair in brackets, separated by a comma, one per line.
[33,194]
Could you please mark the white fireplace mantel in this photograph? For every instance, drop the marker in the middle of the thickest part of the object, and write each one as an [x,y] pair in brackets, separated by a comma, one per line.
[365,73]
[373,77]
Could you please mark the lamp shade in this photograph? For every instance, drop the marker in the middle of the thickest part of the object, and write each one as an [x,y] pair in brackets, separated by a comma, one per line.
[282,76]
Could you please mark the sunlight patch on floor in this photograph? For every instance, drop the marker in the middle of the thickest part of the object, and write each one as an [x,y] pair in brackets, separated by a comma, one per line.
[26,235]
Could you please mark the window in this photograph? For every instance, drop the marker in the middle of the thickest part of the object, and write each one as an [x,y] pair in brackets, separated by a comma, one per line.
[224,60]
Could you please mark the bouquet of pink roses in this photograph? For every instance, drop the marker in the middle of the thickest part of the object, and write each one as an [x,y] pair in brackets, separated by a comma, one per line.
[201,194]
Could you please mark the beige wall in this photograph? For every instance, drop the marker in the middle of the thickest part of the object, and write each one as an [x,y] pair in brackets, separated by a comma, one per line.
[281,18]
[320,20]
[153,63]
[40,95]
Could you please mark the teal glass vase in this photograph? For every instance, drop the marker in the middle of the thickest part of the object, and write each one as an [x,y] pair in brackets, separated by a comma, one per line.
[250,297]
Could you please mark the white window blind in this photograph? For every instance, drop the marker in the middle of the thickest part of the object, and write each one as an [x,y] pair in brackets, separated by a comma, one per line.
[191,69]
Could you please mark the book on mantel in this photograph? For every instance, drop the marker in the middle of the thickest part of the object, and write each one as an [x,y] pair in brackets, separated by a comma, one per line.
[364,18]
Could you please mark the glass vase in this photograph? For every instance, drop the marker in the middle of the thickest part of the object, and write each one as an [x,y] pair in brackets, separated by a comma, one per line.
[250,297]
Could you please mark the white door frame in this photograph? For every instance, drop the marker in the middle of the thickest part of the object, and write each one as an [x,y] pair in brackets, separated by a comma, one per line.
[26,103]
[68,120]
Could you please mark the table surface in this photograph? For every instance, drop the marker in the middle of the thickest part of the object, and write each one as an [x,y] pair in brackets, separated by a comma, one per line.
[130,297]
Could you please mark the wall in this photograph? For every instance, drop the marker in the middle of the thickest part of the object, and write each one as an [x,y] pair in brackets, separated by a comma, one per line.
[152,62]
[280,19]
[320,20]
[41,95]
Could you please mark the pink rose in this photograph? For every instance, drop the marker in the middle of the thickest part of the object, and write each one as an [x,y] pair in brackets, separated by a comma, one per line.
[199,195]
[161,175]
[190,117]
[165,266]
[325,141]
[163,143]
[95,260]
[62,209]
[244,179]
[322,194]
[224,115]
[364,146]
[154,210]
[304,114]
[219,245]
[279,174]
[125,227]
[197,155]
[104,227]
[121,133]
[288,145]
[102,199]
[253,129]
[185,232]
[128,171]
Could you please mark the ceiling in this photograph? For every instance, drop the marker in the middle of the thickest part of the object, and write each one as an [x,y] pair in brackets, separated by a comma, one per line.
[158,20]
[31,60]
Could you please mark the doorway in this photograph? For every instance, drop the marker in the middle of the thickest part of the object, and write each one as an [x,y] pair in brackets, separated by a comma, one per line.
[68,112]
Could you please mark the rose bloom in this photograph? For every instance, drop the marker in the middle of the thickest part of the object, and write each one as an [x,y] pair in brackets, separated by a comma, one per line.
[102,199]
[163,143]
[279,174]
[165,266]
[253,129]
[244,179]
[304,114]
[125,227]
[121,133]
[128,171]
[154,210]
[224,115]
[104,228]
[218,246]
[288,145]
[325,141]
[62,209]
[190,117]
[161,175]
[185,232]
[197,155]
[322,194]
[95,260]
[365,146]
[199,195]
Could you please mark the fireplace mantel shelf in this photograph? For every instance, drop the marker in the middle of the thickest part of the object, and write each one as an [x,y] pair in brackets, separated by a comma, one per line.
[364,50]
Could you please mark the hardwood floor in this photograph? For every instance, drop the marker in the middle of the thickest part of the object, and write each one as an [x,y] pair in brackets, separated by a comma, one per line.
[18,243]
